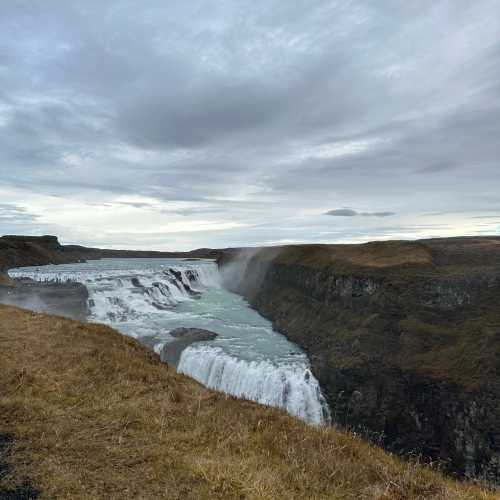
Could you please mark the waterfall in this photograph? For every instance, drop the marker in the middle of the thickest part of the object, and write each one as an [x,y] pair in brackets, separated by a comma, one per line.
[146,299]
[118,295]
[291,387]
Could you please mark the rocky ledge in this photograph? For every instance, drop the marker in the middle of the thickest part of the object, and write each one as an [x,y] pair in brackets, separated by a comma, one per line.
[404,338]
[182,338]
[62,299]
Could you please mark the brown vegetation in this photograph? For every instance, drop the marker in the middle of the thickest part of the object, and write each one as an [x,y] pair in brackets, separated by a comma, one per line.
[374,254]
[437,256]
[96,415]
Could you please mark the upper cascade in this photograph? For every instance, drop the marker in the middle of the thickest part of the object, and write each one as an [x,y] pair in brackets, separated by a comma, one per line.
[121,295]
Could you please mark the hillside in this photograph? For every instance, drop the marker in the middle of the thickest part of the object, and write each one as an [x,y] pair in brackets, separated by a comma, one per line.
[87,413]
[404,338]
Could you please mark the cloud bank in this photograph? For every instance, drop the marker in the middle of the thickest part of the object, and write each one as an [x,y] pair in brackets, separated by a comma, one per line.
[233,123]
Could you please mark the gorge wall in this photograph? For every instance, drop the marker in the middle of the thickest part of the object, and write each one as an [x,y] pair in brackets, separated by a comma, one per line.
[404,338]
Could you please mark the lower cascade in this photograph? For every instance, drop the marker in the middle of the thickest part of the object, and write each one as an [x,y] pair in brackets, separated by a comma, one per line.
[292,388]
[148,298]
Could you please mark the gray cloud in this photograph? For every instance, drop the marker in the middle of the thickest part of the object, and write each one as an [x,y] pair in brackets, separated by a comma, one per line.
[250,113]
[16,219]
[15,214]
[348,212]
[436,168]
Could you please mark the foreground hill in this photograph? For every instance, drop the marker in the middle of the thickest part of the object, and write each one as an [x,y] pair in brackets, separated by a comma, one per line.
[404,338]
[87,413]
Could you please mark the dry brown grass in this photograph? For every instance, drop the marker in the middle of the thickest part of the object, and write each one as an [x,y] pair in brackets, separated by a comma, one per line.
[96,415]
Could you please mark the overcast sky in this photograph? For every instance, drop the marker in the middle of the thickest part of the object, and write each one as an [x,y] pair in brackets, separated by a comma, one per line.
[175,125]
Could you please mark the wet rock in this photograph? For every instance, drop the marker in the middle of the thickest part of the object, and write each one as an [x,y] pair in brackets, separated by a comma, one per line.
[177,274]
[191,276]
[135,281]
[182,338]
[63,299]
[195,334]
[193,293]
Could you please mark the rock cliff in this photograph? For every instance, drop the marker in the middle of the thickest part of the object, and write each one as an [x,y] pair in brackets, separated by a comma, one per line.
[404,338]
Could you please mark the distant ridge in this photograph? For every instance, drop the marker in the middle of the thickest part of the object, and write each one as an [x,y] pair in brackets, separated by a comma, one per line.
[19,251]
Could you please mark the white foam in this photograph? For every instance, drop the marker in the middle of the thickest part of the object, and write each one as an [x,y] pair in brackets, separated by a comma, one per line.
[158,347]
[124,295]
[290,387]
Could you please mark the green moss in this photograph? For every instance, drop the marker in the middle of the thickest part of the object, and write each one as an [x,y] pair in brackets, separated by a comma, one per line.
[466,353]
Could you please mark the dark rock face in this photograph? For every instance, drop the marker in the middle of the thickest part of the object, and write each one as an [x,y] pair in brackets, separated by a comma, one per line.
[136,282]
[195,334]
[175,278]
[183,337]
[408,355]
[63,299]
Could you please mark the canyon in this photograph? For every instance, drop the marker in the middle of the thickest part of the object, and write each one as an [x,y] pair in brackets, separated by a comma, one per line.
[404,338]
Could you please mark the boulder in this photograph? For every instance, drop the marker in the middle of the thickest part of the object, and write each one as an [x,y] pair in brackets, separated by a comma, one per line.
[182,338]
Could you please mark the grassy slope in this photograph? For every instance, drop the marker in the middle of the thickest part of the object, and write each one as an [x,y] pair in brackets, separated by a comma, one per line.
[438,257]
[374,254]
[95,415]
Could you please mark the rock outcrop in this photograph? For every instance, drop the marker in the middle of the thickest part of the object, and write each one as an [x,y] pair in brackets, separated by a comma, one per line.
[182,338]
[404,338]
[62,299]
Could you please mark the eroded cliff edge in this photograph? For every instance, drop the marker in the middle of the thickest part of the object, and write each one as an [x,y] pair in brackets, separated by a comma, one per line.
[404,338]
